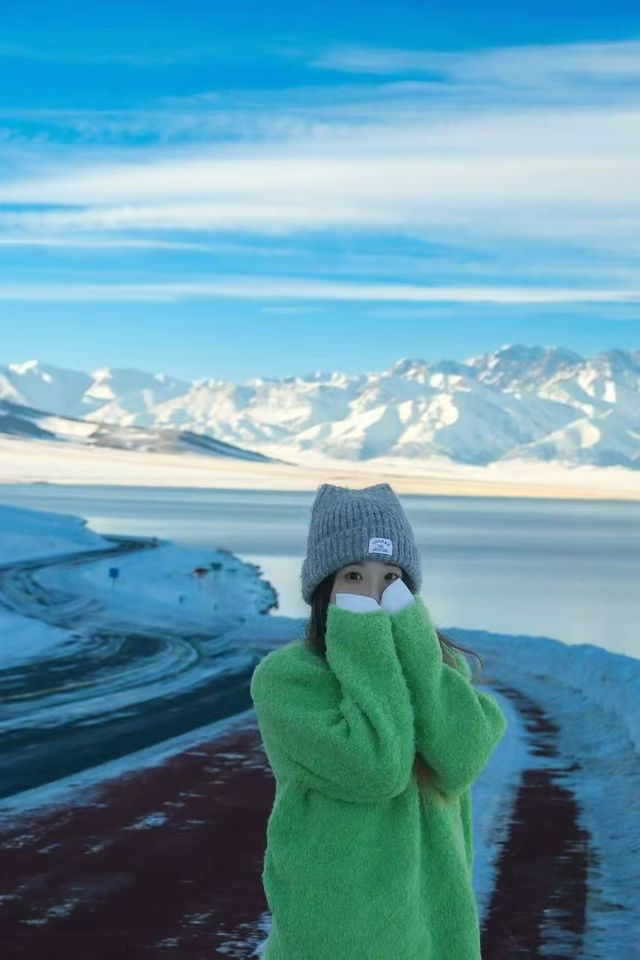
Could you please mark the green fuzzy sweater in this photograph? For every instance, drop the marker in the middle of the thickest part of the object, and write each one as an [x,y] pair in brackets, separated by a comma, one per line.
[357,863]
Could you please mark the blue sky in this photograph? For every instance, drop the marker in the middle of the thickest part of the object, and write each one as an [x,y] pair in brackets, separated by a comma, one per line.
[253,189]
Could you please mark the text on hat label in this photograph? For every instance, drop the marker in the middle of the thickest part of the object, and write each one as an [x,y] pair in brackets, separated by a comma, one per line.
[380,545]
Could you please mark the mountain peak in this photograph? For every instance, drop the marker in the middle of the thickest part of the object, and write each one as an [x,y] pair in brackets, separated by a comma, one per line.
[406,365]
[515,402]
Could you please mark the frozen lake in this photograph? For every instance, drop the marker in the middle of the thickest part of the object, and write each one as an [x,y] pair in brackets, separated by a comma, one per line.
[568,569]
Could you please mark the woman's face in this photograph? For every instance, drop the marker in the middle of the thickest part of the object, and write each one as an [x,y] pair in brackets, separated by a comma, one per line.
[368,577]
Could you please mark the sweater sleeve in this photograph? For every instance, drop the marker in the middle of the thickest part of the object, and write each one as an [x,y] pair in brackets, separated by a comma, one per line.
[344,728]
[456,727]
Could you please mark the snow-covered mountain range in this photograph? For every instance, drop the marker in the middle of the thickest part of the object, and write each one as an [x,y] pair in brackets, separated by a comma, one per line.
[519,402]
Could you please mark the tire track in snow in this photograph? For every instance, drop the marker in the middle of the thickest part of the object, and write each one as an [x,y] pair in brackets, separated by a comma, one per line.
[106,695]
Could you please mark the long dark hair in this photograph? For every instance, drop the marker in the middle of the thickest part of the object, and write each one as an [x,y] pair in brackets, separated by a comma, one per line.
[315,638]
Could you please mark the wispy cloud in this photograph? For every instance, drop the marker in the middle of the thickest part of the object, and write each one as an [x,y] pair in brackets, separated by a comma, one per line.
[393,86]
[98,242]
[287,288]
[572,175]
[444,157]
[523,66]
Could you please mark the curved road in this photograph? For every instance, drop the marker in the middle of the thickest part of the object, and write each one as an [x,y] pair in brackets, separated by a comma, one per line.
[112,689]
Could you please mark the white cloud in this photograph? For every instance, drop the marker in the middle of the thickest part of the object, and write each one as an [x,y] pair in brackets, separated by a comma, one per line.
[288,288]
[434,168]
[101,242]
[572,176]
[524,66]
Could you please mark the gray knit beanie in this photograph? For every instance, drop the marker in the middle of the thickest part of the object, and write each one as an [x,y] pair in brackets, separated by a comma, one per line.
[348,526]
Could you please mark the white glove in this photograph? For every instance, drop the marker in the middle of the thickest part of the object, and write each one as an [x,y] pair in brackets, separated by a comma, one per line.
[357,602]
[396,596]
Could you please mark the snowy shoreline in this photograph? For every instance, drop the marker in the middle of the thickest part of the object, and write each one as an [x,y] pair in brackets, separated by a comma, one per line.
[58,462]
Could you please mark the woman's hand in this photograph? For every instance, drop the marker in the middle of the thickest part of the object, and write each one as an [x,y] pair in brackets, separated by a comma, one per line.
[357,602]
[396,596]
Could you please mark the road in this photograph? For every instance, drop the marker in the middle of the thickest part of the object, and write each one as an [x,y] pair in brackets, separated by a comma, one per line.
[114,688]
[167,861]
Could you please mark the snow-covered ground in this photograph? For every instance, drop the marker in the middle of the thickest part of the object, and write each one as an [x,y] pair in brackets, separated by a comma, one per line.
[593,697]
[591,694]
[160,587]
[47,461]
[30,534]
[190,616]
[155,586]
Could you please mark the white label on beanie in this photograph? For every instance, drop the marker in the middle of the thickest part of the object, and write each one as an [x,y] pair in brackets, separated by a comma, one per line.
[380,545]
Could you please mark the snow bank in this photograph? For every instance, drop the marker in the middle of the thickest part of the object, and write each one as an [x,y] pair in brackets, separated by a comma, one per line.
[604,679]
[159,586]
[28,534]
[591,695]
[25,639]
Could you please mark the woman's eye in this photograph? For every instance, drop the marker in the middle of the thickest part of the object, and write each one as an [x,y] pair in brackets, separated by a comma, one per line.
[354,573]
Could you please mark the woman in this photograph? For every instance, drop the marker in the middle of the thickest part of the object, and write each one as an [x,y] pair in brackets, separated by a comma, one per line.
[375,735]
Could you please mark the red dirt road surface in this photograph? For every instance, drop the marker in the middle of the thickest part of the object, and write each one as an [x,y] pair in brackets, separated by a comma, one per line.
[166,861]
[162,862]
